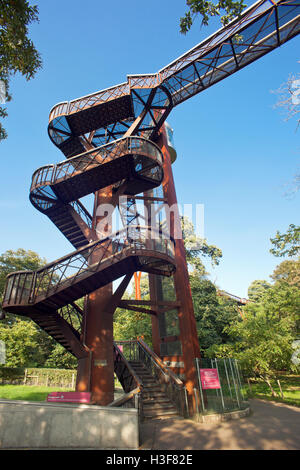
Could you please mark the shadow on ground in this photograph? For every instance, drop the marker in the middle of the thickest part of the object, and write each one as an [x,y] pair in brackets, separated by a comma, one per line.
[270,426]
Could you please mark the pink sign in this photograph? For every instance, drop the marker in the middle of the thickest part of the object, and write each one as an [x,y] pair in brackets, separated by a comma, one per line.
[69,397]
[209,378]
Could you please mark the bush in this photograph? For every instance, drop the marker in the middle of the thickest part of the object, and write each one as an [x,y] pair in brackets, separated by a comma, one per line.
[34,376]
[11,375]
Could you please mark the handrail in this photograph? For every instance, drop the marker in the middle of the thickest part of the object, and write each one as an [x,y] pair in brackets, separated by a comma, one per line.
[224,35]
[160,363]
[53,276]
[138,381]
[125,398]
[173,386]
[97,242]
[128,146]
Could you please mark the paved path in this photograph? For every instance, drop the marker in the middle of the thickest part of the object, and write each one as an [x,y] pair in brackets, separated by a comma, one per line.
[271,426]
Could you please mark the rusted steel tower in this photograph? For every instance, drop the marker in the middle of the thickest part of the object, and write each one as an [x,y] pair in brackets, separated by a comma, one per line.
[116,147]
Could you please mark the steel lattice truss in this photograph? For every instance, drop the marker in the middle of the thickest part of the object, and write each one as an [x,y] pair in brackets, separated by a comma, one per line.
[260,29]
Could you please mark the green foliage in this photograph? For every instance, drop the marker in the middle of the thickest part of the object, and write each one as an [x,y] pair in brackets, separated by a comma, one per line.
[52,377]
[287,244]
[262,342]
[129,325]
[289,385]
[212,313]
[225,9]
[288,271]
[11,374]
[195,248]
[25,344]
[18,260]
[59,357]
[17,51]
[257,289]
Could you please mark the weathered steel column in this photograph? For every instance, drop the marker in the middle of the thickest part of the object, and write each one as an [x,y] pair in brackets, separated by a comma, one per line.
[187,322]
[98,328]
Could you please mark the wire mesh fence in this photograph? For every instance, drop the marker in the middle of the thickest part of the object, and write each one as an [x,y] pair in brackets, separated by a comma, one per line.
[220,386]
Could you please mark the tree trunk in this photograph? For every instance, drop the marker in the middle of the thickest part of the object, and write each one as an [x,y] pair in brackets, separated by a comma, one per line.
[274,394]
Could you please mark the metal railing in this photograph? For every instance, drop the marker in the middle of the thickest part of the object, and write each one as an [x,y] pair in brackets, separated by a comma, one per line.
[148,161]
[78,104]
[130,381]
[49,174]
[226,394]
[138,350]
[25,287]
[259,29]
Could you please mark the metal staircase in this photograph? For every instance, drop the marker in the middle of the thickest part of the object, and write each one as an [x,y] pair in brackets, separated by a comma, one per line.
[145,378]
[156,403]
[44,294]
[109,138]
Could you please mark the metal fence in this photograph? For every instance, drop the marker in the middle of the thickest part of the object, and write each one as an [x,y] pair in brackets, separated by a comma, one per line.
[223,392]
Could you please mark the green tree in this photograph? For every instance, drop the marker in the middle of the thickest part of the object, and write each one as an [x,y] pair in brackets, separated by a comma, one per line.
[40,349]
[24,344]
[262,342]
[60,358]
[129,324]
[282,301]
[212,312]
[19,260]
[288,271]
[257,289]
[225,9]
[17,51]
[262,346]
[287,244]
[197,248]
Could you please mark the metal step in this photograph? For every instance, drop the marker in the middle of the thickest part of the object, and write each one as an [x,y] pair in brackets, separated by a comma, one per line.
[150,414]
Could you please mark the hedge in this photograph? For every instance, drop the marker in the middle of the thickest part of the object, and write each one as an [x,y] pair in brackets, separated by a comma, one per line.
[11,374]
[41,376]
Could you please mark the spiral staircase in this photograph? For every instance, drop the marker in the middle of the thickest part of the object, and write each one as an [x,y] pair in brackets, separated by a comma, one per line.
[108,138]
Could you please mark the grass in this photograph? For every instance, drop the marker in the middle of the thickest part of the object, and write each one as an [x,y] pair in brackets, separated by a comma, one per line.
[290,385]
[28,392]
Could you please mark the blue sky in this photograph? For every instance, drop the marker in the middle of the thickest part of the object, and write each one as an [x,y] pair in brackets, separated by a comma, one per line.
[236,154]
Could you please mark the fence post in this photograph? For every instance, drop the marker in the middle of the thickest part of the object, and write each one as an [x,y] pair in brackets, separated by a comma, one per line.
[212,366]
[196,401]
[186,403]
[234,383]
[239,378]
[73,380]
[228,381]
[25,377]
[221,392]
[199,382]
